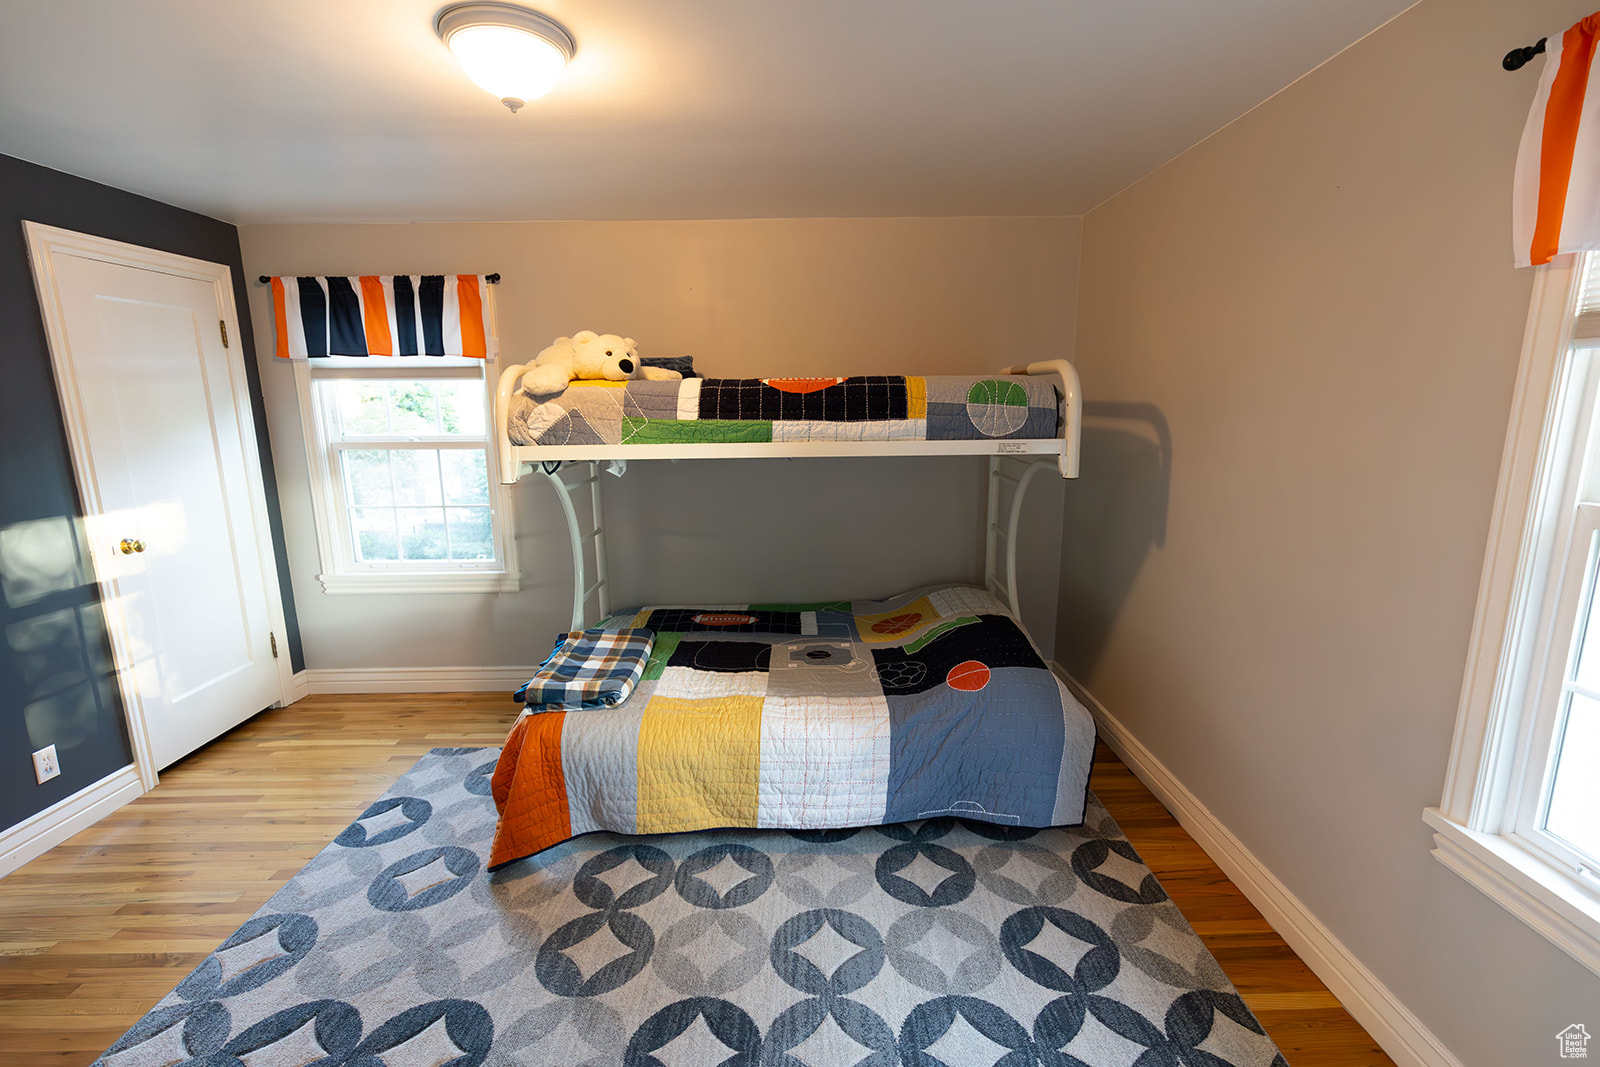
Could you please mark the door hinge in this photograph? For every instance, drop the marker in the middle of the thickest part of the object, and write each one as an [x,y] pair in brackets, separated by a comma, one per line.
[224,324]
[274,639]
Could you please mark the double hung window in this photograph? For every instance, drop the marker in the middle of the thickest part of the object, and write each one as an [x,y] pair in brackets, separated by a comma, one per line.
[1520,817]
[401,460]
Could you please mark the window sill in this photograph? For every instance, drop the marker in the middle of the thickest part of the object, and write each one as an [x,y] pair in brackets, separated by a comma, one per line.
[429,582]
[1549,900]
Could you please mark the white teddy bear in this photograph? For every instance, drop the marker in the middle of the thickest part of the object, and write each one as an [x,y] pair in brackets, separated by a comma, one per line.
[588,355]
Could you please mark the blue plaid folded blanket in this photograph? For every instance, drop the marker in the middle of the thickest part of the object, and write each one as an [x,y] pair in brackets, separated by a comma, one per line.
[589,669]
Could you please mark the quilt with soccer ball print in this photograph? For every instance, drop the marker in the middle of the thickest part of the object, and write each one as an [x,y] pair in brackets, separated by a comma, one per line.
[806,716]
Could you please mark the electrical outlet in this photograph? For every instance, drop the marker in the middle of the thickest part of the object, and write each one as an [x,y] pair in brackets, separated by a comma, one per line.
[45,765]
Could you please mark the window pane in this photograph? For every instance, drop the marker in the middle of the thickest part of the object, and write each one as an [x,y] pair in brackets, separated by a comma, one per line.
[421,533]
[470,533]
[466,476]
[461,407]
[1588,671]
[416,476]
[374,533]
[363,406]
[366,477]
[1575,799]
[412,408]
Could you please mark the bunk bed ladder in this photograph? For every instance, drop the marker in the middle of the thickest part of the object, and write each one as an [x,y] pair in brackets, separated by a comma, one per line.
[582,593]
[1000,571]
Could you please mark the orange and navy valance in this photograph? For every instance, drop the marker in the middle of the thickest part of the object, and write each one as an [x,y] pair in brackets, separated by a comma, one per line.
[1556,194]
[380,315]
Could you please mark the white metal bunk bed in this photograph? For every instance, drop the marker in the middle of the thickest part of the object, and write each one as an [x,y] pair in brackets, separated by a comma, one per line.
[958,714]
[1013,465]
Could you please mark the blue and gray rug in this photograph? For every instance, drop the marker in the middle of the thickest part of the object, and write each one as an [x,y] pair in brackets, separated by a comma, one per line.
[942,942]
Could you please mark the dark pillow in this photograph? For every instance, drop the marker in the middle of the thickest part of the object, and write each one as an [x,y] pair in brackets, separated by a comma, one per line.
[684,365]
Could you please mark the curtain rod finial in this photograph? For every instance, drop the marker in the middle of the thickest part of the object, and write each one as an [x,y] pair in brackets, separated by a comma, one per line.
[1518,58]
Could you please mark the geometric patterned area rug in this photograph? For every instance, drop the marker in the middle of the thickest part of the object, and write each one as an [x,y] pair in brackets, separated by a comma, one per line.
[941,942]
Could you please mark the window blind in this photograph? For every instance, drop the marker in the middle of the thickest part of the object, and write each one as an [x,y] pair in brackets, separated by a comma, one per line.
[1586,325]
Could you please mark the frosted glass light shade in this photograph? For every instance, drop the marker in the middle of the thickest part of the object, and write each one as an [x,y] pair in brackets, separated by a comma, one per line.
[510,52]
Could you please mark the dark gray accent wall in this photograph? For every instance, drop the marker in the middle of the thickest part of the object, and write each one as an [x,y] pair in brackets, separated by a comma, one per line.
[56,685]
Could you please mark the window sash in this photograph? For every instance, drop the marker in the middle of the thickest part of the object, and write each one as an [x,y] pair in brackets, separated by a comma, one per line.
[339,491]
[1500,710]
[409,367]
[400,444]
[326,399]
[1538,755]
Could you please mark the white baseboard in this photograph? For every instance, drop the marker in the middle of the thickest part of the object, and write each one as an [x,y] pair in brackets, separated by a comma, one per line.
[1392,1025]
[301,689]
[34,836]
[414,680]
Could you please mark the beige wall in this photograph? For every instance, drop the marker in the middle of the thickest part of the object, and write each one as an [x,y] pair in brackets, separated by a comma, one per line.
[874,296]
[1317,306]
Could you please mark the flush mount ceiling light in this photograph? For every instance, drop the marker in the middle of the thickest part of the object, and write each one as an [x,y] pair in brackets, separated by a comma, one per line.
[509,51]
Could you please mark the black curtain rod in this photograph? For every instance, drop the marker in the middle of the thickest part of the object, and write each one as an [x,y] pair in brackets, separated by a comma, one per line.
[1518,58]
[492,279]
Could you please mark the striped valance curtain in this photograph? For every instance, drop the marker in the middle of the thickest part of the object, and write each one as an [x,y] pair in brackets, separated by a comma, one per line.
[1556,193]
[380,315]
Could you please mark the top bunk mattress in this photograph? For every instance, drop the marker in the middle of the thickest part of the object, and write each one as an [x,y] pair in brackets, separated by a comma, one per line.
[743,410]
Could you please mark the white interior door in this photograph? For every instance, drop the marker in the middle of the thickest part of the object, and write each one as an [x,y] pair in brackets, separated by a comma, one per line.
[164,445]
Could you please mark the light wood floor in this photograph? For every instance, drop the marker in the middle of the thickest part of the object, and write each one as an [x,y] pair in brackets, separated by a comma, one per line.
[97,930]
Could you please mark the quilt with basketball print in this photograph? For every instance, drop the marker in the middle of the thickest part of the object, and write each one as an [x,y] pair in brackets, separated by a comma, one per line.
[720,410]
[806,716]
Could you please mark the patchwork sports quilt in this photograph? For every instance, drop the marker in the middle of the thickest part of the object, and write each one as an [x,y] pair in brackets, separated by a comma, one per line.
[707,410]
[806,716]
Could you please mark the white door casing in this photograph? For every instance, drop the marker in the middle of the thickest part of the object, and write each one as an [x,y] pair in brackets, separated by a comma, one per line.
[163,443]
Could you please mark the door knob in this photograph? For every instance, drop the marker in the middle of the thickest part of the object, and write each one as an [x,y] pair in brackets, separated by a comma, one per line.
[131,545]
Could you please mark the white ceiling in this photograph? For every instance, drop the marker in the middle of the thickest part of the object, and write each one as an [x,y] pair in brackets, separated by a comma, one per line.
[300,110]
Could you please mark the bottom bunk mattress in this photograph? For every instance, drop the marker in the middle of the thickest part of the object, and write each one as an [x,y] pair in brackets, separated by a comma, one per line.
[806,716]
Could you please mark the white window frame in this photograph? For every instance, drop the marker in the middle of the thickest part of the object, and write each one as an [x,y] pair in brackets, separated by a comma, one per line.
[1486,827]
[341,571]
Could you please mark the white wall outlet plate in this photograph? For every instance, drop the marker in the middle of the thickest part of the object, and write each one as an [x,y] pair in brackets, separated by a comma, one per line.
[45,764]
